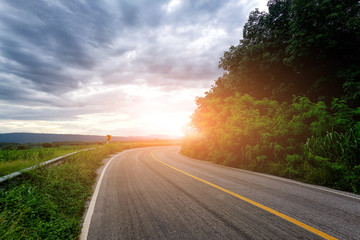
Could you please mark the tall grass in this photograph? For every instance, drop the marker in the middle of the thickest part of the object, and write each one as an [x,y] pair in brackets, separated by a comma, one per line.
[333,160]
[337,147]
[48,203]
[15,160]
[305,140]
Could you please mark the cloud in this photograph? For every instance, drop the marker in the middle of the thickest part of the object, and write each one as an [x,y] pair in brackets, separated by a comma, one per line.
[63,59]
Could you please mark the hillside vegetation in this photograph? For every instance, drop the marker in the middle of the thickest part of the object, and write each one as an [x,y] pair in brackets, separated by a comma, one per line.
[49,202]
[288,103]
[12,160]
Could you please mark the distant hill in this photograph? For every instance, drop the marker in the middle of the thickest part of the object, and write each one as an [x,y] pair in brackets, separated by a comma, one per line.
[46,137]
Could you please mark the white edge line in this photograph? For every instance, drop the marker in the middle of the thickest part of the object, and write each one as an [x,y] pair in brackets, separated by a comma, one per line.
[308,185]
[321,188]
[87,220]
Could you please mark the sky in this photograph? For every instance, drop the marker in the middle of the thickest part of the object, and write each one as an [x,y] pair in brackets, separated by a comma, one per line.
[119,67]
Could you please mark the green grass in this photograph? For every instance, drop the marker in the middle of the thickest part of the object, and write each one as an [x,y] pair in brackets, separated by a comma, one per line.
[48,202]
[15,160]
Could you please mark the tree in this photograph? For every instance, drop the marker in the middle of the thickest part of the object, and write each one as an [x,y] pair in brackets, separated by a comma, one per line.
[46,145]
[325,46]
[299,47]
[282,106]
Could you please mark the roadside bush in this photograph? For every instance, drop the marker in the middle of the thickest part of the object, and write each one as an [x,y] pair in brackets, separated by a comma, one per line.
[22,147]
[48,202]
[27,213]
[340,147]
[15,160]
[303,140]
[46,145]
[334,160]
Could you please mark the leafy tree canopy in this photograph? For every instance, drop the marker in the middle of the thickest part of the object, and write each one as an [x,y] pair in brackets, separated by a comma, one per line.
[288,103]
[298,47]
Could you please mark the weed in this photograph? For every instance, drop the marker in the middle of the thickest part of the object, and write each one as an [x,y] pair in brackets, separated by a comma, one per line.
[15,160]
[48,202]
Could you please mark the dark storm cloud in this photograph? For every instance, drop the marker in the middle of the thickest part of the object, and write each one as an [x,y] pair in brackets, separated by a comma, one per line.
[44,39]
[142,13]
[49,49]
[35,38]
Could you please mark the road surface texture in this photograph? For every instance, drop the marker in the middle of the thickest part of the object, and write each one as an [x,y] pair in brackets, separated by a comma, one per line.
[157,193]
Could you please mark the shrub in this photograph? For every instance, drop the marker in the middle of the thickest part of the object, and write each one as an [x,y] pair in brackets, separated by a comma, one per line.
[46,145]
[279,138]
[48,202]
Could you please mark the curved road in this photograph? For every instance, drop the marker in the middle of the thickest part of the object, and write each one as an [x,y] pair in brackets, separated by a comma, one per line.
[157,193]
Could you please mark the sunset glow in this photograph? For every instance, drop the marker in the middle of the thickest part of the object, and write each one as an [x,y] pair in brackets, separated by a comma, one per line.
[77,71]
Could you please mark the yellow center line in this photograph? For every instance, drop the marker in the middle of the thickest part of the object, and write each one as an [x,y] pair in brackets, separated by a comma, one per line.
[292,220]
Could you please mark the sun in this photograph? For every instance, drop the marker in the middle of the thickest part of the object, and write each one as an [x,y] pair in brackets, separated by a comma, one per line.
[165,123]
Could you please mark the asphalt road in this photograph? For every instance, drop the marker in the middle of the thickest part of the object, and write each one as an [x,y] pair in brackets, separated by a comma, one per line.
[156,193]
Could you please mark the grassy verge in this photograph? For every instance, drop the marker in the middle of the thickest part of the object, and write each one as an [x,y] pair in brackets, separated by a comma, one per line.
[48,203]
[15,160]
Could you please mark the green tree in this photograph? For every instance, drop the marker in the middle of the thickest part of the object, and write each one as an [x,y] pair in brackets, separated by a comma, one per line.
[299,47]
[288,103]
[324,47]
[46,145]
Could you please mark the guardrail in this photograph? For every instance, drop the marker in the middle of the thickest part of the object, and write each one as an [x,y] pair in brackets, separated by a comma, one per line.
[14,174]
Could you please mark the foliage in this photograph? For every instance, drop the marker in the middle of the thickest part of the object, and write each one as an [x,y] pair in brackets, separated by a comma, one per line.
[338,157]
[298,47]
[304,140]
[22,147]
[15,160]
[288,103]
[46,145]
[8,146]
[49,202]
[37,209]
